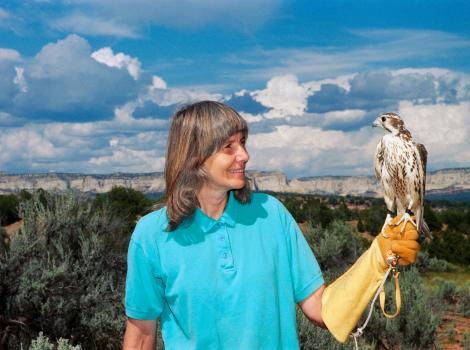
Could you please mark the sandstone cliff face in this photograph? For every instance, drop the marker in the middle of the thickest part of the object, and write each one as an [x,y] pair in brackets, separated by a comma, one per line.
[146,183]
[441,181]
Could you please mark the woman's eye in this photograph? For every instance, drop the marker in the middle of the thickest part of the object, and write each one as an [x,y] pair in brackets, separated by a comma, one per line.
[229,145]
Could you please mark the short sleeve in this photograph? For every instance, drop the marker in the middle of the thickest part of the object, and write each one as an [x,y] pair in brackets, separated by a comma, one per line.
[144,289]
[306,274]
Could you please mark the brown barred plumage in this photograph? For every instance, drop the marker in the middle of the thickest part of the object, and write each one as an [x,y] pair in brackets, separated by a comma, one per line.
[400,166]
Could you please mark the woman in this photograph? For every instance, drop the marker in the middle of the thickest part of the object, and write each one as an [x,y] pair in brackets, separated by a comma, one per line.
[223,268]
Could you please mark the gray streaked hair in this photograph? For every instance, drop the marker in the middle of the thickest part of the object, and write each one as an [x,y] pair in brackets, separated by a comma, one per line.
[197,131]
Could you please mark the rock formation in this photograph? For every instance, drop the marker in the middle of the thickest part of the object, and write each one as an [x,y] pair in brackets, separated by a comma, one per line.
[438,182]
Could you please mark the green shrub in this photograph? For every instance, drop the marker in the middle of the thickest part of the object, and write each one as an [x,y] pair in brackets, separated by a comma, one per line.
[416,325]
[64,274]
[446,290]
[43,343]
[450,332]
[336,247]
[425,263]
[313,337]
[466,340]
[463,304]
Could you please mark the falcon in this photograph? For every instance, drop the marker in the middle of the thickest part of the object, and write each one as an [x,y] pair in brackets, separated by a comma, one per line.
[400,166]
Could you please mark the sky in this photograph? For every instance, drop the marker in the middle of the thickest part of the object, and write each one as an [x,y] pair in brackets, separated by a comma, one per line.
[89,86]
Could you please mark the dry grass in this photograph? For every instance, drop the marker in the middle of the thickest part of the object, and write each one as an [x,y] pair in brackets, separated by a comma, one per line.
[459,277]
[460,326]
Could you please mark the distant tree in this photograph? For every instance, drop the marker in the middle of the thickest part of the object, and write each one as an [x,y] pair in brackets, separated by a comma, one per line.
[450,245]
[373,217]
[354,214]
[318,212]
[24,195]
[453,218]
[126,203]
[342,212]
[296,207]
[360,226]
[332,200]
[431,218]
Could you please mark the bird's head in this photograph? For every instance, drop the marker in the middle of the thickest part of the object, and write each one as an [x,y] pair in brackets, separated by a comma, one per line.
[390,122]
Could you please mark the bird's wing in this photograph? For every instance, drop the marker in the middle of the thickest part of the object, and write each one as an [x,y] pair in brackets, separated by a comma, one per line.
[379,159]
[422,162]
[423,157]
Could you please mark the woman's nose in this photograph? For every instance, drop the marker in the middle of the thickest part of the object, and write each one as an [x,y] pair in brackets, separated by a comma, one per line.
[243,155]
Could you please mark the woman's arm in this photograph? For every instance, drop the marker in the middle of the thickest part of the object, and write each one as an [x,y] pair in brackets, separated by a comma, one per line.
[311,307]
[340,305]
[139,335]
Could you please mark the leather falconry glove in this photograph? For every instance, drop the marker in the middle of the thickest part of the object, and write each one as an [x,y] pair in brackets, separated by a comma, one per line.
[344,301]
[404,244]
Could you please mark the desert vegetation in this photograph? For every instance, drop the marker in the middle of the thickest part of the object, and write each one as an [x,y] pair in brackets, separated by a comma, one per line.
[62,274]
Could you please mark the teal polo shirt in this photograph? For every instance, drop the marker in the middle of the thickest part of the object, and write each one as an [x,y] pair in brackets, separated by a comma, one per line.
[231,283]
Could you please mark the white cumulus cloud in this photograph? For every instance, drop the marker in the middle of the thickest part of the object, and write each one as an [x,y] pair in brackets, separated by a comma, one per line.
[9,54]
[158,83]
[106,56]
[284,95]
[443,129]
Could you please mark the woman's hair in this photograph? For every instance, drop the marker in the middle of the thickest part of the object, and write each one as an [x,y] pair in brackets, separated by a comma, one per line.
[197,131]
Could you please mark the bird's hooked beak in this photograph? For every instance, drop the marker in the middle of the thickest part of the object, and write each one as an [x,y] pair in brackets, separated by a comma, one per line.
[377,123]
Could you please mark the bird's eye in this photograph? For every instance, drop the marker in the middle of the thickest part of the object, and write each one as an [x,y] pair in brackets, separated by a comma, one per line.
[383,119]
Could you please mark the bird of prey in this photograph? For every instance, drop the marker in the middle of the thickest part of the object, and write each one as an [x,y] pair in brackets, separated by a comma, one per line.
[400,166]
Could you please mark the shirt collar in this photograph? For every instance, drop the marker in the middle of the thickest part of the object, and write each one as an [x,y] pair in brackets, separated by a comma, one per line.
[206,223]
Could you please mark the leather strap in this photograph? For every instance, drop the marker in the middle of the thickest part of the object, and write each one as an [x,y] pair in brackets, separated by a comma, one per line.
[397,297]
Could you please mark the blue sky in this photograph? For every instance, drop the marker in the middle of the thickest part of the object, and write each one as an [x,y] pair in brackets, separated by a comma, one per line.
[88,86]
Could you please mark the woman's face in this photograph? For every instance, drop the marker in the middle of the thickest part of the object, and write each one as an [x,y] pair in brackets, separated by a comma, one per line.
[226,167]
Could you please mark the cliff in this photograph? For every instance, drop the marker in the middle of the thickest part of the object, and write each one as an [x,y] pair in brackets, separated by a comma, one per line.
[446,181]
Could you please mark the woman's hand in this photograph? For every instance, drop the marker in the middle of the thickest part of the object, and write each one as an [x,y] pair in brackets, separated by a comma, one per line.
[139,335]
[394,242]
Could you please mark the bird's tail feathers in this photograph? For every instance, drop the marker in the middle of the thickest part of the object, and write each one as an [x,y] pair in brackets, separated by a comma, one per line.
[423,228]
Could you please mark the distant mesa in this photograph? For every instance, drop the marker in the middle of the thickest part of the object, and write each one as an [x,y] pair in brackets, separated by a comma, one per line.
[440,184]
